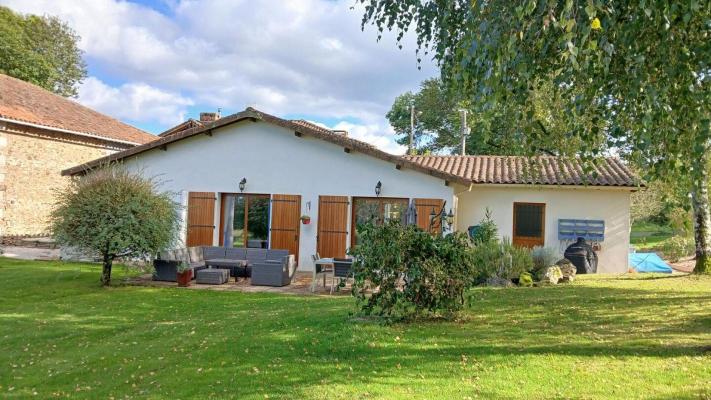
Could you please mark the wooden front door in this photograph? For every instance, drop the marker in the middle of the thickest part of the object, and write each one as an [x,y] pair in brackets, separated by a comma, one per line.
[424,209]
[201,218]
[332,226]
[529,224]
[286,222]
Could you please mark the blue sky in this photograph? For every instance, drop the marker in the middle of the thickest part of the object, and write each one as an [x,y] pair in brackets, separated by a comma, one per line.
[155,63]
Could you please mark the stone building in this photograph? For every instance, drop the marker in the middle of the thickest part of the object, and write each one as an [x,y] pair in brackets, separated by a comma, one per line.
[40,135]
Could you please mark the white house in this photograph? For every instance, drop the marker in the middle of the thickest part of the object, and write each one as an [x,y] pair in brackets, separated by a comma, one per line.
[249,178]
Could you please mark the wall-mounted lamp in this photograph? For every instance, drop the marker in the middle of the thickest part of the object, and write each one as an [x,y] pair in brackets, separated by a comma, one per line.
[446,219]
[242,184]
[378,188]
[450,217]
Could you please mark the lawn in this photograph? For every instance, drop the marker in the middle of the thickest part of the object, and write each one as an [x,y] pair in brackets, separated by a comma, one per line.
[631,337]
[649,236]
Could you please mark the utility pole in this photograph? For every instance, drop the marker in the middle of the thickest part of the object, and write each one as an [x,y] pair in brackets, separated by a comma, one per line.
[411,146]
[465,130]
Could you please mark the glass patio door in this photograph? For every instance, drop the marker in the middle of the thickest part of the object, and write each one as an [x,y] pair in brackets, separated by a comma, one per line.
[249,222]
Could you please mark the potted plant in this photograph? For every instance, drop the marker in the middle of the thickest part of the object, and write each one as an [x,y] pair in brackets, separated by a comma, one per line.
[305,219]
[185,274]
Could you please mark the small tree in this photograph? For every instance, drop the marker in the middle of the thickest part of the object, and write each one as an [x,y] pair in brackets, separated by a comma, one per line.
[115,213]
[403,272]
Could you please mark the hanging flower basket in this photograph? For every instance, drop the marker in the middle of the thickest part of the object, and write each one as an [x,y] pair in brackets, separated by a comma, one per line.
[305,219]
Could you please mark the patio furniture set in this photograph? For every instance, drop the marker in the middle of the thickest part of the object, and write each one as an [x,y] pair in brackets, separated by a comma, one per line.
[215,265]
[338,268]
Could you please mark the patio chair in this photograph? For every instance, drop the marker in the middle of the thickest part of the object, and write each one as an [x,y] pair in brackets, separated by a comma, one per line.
[342,269]
[323,269]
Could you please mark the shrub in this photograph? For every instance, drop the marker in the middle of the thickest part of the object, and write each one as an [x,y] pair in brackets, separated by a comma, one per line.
[680,220]
[544,257]
[501,260]
[521,260]
[487,230]
[114,213]
[677,247]
[403,272]
[525,280]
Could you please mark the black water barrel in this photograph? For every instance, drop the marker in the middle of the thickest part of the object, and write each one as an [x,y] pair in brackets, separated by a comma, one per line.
[582,255]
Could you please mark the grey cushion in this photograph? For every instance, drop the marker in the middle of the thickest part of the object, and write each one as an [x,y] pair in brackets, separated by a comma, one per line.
[167,255]
[236,254]
[210,252]
[195,254]
[225,262]
[256,255]
[277,254]
[181,255]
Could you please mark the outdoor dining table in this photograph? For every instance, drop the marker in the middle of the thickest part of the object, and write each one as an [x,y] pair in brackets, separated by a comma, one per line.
[326,261]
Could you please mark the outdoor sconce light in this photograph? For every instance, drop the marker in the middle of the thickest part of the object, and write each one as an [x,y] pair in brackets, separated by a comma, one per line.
[242,184]
[378,188]
[446,218]
[450,217]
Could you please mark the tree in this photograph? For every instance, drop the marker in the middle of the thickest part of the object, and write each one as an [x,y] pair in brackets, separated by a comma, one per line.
[41,50]
[115,213]
[438,123]
[637,70]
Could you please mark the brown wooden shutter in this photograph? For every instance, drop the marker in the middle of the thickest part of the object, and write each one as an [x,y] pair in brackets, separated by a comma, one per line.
[332,226]
[286,220]
[201,218]
[424,210]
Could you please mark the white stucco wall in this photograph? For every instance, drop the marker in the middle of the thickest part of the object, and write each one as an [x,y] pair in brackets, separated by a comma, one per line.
[608,204]
[275,161]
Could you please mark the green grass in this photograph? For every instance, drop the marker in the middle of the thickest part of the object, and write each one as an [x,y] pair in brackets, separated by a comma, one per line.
[649,236]
[61,335]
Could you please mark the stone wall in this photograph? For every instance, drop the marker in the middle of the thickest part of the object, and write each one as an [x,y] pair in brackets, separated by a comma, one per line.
[30,175]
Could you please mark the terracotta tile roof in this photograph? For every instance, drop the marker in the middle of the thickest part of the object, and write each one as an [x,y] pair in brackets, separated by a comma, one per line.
[311,125]
[250,114]
[190,123]
[460,169]
[24,102]
[543,170]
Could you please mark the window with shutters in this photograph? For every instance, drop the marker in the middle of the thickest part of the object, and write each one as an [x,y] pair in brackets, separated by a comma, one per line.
[375,210]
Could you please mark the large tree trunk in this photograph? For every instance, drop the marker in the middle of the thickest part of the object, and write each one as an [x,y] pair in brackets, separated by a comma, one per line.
[106,272]
[702,221]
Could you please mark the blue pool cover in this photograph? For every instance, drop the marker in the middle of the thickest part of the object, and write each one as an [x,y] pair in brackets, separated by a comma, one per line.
[648,262]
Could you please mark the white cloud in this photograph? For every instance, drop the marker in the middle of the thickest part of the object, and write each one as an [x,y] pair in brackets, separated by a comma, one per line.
[134,101]
[285,57]
[373,134]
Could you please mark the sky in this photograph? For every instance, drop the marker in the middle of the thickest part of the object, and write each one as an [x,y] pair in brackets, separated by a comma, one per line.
[155,63]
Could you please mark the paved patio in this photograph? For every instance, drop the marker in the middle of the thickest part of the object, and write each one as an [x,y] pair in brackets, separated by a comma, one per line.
[300,285]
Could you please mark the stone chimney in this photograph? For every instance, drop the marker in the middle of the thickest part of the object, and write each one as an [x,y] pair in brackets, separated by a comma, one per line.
[207,117]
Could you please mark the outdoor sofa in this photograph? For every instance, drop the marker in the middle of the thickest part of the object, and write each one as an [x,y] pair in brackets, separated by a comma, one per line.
[166,265]
[266,267]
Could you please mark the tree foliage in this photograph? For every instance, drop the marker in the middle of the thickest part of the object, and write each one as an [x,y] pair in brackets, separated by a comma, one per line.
[634,75]
[41,50]
[403,272]
[437,123]
[115,213]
